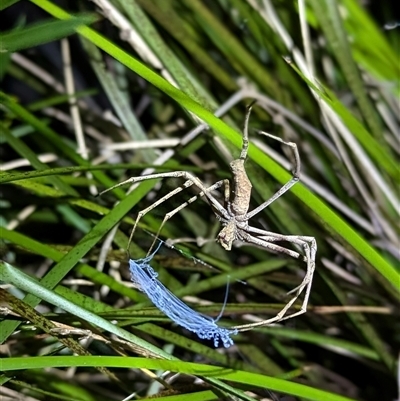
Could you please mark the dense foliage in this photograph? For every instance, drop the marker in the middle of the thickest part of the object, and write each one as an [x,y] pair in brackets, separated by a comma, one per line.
[96,92]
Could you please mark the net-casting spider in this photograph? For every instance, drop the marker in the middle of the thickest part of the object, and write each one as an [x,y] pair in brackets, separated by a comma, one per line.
[234,217]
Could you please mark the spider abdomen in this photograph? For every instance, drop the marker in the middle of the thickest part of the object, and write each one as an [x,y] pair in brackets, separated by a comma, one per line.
[241,201]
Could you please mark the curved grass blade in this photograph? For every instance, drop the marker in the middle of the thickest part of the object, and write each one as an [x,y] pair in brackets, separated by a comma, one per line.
[246,378]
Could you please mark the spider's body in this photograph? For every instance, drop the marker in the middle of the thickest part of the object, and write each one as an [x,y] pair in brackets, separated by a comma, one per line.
[242,193]
[234,217]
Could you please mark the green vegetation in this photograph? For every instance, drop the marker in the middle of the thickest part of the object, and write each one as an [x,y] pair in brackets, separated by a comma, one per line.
[86,100]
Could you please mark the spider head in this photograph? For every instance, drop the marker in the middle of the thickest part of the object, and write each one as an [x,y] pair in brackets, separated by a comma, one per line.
[227,235]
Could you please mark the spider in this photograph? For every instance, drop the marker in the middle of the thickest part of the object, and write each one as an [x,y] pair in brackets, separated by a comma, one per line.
[234,217]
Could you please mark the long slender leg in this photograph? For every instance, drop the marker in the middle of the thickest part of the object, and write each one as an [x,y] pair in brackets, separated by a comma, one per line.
[288,185]
[217,185]
[172,174]
[190,180]
[310,248]
[186,184]
[201,241]
[268,243]
[274,237]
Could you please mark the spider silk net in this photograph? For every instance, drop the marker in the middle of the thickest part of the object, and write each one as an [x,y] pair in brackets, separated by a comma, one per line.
[145,278]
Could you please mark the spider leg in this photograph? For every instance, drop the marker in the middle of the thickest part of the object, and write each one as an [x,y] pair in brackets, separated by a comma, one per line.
[204,192]
[143,212]
[199,240]
[288,185]
[190,180]
[309,246]
[171,174]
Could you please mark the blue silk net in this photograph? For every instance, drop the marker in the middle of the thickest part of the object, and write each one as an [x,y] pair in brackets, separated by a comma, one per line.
[145,278]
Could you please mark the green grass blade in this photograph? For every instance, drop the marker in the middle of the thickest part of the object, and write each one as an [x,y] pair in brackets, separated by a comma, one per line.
[328,14]
[246,378]
[331,219]
[43,32]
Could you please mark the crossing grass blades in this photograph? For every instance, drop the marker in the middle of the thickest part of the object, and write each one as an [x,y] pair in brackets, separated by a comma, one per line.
[234,217]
